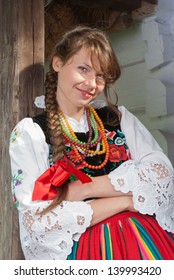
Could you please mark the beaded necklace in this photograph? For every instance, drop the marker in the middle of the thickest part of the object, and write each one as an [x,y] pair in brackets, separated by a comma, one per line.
[83,149]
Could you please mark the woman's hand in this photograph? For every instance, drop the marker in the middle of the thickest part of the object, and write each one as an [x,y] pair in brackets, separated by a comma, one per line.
[77,191]
[100,187]
[104,208]
[130,206]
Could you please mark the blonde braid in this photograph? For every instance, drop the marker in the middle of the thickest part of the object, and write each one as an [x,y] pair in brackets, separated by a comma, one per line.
[52,119]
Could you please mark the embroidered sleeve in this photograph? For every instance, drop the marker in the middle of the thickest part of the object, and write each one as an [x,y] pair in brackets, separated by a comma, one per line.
[48,236]
[148,174]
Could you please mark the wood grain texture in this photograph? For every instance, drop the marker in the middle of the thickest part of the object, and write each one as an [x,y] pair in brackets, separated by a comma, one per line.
[22,74]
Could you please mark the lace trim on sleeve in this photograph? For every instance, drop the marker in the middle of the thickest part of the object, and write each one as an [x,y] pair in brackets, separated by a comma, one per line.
[50,236]
[152,186]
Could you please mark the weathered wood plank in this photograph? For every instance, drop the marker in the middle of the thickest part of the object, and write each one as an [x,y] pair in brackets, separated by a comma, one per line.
[22,74]
[7,54]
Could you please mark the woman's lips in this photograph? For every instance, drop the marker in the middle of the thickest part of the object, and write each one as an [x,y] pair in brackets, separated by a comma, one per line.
[85,93]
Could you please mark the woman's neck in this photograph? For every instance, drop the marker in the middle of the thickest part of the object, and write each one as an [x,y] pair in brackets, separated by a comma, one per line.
[75,114]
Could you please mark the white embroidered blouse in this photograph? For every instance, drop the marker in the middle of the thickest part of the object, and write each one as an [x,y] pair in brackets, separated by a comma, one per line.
[148,175]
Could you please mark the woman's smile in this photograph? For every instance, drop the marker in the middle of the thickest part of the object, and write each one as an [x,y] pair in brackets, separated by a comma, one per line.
[85,93]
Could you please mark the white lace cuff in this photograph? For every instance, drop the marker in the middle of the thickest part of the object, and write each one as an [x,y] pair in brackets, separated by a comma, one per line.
[51,236]
[152,188]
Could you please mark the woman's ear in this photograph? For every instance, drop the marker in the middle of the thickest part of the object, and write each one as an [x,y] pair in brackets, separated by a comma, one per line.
[57,63]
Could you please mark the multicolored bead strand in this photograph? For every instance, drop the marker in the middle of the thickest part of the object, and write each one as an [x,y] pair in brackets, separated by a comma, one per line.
[83,149]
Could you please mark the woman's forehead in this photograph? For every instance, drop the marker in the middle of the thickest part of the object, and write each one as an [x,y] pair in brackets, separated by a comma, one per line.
[87,56]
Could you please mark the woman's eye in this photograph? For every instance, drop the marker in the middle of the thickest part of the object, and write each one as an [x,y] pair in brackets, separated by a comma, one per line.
[83,69]
[101,76]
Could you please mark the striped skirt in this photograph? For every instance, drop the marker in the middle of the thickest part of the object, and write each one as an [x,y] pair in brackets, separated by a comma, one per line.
[125,236]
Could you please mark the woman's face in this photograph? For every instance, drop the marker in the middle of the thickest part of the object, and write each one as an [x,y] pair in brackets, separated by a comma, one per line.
[78,81]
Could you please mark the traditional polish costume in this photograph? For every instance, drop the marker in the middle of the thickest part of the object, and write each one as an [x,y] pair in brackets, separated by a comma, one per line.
[133,161]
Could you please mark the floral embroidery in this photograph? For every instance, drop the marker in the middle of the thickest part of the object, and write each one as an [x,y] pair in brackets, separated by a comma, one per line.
[110,134]
[161,171]
[141,198]
[119,141]
[117,153]
[14,135]
[80,220]
[121,136]
[17,179]
[74,156]
[120,182]
[15,202]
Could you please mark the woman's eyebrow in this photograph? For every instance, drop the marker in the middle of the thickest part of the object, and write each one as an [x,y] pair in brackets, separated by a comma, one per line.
[87,65]
[92,67]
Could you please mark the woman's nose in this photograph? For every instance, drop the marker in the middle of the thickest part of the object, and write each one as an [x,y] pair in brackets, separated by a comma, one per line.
[91,81]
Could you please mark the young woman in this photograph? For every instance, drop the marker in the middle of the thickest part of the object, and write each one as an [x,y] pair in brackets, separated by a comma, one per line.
[89,183]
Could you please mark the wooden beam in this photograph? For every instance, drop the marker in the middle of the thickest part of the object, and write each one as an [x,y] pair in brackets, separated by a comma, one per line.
[22,58]
[7,58]
[117,5]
